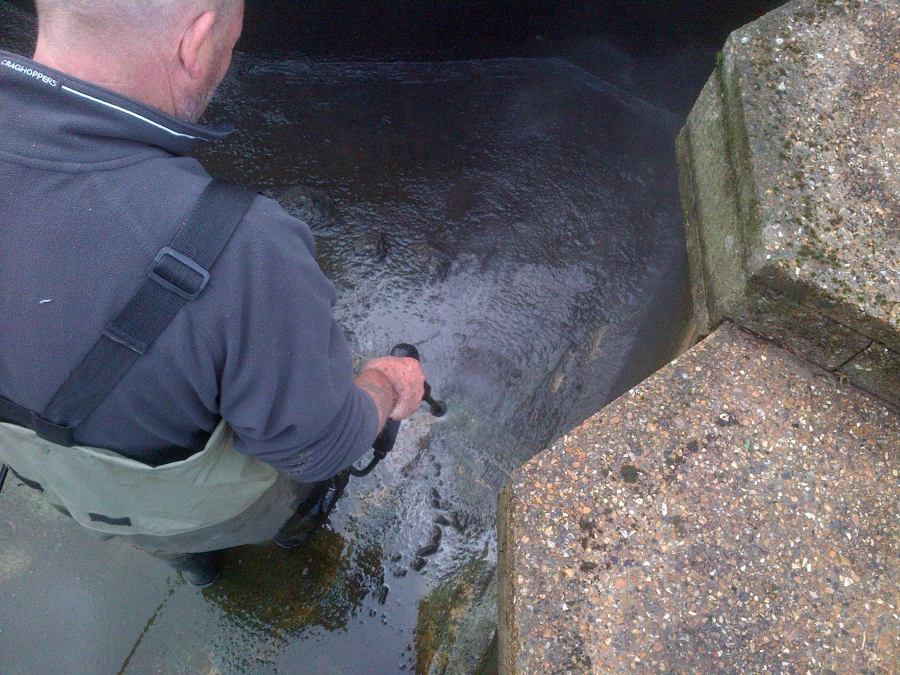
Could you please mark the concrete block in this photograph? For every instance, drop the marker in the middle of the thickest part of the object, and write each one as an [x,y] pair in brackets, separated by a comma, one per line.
[735,513]
[790,155]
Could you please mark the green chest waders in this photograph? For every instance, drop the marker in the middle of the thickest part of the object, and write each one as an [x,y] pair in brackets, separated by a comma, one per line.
[103,490]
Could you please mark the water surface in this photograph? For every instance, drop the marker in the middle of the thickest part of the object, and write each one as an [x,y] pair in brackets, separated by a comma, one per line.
[518,220]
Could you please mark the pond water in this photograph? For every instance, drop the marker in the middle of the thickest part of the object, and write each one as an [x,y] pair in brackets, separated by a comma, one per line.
[516,219]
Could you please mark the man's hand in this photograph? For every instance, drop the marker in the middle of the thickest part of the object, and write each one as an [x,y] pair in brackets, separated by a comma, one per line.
[395,384]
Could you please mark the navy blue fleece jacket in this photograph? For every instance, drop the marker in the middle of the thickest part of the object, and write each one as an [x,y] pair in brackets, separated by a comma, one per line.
[92,185]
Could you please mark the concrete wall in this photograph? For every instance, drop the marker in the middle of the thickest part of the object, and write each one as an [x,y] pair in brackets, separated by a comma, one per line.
[619,550]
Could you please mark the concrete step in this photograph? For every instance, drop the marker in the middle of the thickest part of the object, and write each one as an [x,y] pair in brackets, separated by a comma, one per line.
[789,180]
[737,512]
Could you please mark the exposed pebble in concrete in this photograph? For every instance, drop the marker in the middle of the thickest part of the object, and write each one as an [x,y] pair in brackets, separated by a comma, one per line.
[736,513]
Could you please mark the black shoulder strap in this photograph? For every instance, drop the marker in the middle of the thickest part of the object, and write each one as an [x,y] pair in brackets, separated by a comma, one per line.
[178,274]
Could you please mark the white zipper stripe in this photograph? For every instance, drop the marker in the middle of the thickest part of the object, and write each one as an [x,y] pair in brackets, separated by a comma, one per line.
[126,111]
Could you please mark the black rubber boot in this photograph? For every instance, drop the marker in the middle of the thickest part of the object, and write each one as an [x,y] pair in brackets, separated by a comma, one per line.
[313,512]
[200,569]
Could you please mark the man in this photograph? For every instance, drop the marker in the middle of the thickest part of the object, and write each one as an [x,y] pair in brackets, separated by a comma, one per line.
[95,183]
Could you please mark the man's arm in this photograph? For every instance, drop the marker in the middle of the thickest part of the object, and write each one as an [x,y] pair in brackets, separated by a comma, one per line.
[285,382]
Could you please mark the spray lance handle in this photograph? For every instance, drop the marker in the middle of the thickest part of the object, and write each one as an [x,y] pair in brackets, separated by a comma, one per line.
[388,436]
[438,408]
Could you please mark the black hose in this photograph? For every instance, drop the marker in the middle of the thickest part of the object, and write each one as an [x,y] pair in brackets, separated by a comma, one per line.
[4,470]
[382,446]
[360,473]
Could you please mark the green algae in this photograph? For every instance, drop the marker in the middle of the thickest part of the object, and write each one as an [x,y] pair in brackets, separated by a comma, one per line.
[442,610]
[282,592]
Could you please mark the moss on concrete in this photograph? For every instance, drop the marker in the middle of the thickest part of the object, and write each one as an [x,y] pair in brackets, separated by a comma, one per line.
[442,611]
[801,178]
[281,592]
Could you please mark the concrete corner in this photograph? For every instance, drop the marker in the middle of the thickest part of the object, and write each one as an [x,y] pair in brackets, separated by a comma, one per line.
[789,182]
[735,513]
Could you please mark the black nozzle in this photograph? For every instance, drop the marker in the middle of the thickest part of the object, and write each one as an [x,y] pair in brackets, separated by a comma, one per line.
[438,408]
[405,351]
[388,436]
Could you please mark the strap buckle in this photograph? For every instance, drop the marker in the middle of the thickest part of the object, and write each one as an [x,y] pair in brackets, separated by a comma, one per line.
[176,281]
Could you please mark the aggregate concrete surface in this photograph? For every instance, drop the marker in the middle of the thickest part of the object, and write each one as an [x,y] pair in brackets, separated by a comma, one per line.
[819,84]
[789,177]
[736,513]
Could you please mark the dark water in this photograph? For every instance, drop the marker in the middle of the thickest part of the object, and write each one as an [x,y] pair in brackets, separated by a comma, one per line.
[659,50]
[516,218]
[513,218]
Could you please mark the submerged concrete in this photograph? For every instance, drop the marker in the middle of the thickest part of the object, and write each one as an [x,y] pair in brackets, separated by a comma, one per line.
[70,605]
[790,187]
[735,513]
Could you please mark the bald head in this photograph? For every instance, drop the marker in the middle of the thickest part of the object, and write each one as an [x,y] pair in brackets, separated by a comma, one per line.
[98,17]
[169,53]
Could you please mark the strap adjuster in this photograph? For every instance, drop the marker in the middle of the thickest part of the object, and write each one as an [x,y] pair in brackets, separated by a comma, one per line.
[176,280]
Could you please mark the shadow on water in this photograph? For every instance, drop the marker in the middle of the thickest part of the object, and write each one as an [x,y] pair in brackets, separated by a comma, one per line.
[519,221]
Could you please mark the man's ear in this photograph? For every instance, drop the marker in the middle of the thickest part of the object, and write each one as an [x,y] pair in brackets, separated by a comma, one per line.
[195,44]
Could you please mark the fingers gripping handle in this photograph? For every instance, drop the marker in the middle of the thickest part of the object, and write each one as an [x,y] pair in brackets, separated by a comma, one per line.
[388,436]
[438,408]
